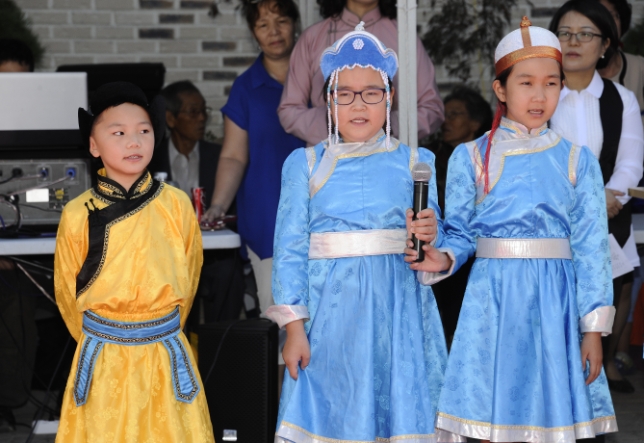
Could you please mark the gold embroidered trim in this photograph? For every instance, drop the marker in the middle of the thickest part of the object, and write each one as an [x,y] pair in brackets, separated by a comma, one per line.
[514,153]
[80,398]
[99,197]
[377,440]
[352,155]
[532,151]
[507,123]
[335,162]
[106,238]
[572,176]
[149,339]
[81,360]
[477,159]
[525,32]
[142,187]
[175,371]
[519,55]
[412,155]
[525,428]
[310,159]
[405,437]
[125,325]
[110,189]
[139,191]
[195,386]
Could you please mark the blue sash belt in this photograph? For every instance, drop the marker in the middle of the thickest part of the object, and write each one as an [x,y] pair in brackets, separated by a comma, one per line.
[99,330]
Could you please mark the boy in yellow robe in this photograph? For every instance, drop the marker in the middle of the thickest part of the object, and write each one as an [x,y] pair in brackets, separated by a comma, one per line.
[128,256]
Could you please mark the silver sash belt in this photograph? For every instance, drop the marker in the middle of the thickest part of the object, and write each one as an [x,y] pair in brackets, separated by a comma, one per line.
[357,243]
[523,248]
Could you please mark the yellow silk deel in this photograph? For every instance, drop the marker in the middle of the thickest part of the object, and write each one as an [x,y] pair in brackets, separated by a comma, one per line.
[150,265]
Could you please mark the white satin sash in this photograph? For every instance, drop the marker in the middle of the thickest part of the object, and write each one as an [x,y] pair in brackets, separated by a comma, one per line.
[523,248]
[357,243]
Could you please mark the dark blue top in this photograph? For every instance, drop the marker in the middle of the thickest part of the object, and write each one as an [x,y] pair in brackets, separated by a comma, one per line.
[252,105]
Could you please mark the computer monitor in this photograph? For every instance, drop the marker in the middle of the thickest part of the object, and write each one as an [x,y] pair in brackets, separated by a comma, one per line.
[43,162]
[41,100]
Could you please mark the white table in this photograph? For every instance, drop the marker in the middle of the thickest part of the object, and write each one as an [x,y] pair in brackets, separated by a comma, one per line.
[224,239]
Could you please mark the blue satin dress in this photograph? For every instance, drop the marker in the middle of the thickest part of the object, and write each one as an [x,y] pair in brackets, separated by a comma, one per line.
[514,371]
[377,347]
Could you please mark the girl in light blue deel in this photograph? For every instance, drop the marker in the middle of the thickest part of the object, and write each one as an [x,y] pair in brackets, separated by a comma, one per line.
[365,349]
[525,363]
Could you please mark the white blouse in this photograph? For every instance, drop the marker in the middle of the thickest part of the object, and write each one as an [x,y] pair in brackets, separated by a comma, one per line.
[577,119]
[185,169]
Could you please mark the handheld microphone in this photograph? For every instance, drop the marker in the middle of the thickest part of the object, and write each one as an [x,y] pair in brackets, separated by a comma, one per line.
[420,173]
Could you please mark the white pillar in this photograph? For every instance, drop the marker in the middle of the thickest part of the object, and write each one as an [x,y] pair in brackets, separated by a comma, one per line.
[309,13]
[407,82]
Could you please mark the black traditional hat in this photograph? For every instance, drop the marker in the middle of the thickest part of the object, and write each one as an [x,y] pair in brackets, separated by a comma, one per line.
[117,93]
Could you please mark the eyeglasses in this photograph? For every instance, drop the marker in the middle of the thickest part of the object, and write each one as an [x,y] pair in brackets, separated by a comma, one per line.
[583,37]
[368,96]
[193,113]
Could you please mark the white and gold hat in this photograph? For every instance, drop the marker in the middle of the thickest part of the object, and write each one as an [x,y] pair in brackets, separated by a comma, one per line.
[521,44]
[524,43]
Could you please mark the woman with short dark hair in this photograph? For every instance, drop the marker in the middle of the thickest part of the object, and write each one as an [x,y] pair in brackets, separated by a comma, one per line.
[476,113]
[467,117]
[625,69]
[255,145]
[604,116]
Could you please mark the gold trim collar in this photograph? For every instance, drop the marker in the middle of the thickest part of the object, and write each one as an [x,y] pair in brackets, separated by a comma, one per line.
[333,153]
[375,143]
[112,190]
[521,130]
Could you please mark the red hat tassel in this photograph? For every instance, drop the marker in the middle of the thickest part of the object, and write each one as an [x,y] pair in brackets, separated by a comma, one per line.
[500,112]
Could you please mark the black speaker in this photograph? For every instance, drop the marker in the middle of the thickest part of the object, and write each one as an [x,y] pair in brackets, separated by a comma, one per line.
[242,386]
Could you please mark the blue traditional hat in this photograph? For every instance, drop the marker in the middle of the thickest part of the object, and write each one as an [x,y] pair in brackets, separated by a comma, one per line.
[359,48]
[362,49]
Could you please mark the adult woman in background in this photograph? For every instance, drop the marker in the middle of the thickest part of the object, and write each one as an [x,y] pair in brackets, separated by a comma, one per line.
[625,69]
[255,145]
[605,117]
[467,117]
[302,110]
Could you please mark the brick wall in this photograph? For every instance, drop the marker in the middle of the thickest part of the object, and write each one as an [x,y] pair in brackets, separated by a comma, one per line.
[178,33]
[181,35]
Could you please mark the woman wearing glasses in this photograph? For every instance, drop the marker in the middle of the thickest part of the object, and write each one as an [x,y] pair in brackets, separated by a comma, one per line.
[255,145]
[605,117]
